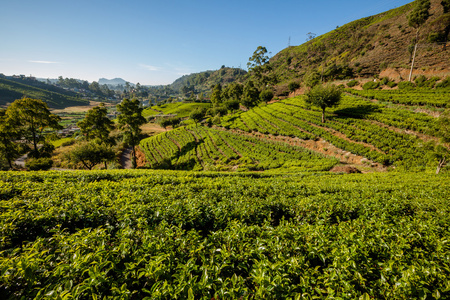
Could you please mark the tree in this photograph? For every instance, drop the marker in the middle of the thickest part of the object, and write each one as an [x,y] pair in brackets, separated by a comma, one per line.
[441,152]
[130,119]
[31,117]
[216,95]
[197,115]
[258,67]
[266,95]
[233,91]
[9,150]
[96,124]
[292,86]
[418,16]
[250,97]
[91,154]
[324,97]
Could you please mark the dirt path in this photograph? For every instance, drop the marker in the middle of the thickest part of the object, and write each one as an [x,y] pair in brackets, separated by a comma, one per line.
[125,158]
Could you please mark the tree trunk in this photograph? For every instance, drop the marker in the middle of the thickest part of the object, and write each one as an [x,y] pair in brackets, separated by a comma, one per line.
[442,163]
[323,115]
[414,54]
[412,63]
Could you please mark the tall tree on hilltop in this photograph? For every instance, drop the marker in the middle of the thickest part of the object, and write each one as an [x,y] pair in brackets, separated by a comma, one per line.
[130,120]
[258,67]
[418,16]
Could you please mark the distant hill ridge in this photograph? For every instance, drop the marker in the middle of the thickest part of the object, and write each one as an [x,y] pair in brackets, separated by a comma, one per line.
[115,81]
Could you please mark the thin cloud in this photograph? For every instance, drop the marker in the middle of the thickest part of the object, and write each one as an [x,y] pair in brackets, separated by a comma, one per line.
[43,62]
[150,68]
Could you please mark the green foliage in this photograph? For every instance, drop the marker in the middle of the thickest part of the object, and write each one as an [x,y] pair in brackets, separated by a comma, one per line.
[201,148]
[352,83]
[324,97]
[406,85]
[216,95]
[55,98]
[197,115]
[129,120]
[9,150]
[92,153]
[96,124]
[31,117]
[37,164]
[185,235]
[250,97]
[311,79]
[293,85]
[166,122]
[445,83]
[446,5]
[370,85]
[419,14]
[266,95]
[443,124]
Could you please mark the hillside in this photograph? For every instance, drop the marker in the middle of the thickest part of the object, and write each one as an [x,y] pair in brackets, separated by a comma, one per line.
[367,47]
[370,130]
[55,97]
[203,81]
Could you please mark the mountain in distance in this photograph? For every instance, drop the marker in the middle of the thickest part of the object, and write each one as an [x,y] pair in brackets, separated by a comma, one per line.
[115,81]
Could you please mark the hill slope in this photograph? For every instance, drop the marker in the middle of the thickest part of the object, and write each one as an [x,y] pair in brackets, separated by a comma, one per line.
[367,47]
[12,90]
[202,82]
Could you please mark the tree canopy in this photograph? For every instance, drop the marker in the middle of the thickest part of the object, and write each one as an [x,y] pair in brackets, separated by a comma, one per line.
[96,124]
[130,120]
[31,117]
[323,97]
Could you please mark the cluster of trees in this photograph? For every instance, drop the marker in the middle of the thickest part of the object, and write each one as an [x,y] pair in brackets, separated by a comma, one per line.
[97,127]
[22,130]
[94,87]
[27,123]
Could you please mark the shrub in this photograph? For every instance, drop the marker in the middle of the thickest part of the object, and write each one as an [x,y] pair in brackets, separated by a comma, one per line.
[292,86]
[405,85]
[371,85]
[352,83]
[36,164]
[444,83]
[266,95]
[391,84]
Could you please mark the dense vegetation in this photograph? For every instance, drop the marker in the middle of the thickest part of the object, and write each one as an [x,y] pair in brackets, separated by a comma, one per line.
[372,130]
[202,148]
[179,235]
[180,109]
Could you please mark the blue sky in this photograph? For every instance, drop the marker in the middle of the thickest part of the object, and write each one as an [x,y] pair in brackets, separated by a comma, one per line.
[156,42]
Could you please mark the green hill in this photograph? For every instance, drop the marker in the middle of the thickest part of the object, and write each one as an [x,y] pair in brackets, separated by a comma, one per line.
[180,109]
[369,46]
[12,90]
[203,81]
[398,131]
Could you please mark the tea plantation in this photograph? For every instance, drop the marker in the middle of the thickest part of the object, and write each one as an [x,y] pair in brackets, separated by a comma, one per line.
[148,234]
